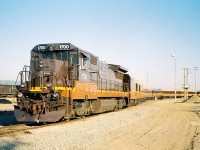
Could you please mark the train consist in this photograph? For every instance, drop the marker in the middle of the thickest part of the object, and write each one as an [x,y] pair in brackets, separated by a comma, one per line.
[64,81]
[167,93]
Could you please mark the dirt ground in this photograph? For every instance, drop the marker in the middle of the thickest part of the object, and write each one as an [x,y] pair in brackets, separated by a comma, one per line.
[152,125]
[172,126]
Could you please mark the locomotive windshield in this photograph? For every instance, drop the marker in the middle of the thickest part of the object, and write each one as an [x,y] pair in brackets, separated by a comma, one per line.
[50,55]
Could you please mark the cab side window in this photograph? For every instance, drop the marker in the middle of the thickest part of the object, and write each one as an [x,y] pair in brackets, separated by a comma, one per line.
[83,61]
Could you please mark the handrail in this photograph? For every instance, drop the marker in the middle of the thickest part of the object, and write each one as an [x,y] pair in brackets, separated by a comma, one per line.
[26,78]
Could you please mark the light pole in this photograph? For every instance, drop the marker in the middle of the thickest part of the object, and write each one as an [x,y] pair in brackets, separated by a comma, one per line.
[195,69]
[174,77]
[185,84]
[147,81]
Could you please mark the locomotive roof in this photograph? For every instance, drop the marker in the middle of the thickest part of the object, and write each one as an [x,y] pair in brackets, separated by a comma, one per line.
[60,47]
[119,68]
[54,46]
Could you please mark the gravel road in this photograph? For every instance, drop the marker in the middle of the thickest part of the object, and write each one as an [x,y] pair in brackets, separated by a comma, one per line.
[151,125]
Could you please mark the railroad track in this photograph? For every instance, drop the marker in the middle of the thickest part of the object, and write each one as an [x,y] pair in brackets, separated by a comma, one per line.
[26,127]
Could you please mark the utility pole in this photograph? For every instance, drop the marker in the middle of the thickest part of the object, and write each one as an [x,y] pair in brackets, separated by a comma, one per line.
[195,83]
[147,81]
[185,84]
[174,77]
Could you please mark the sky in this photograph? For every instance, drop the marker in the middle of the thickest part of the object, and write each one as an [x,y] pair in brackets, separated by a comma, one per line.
[140,35]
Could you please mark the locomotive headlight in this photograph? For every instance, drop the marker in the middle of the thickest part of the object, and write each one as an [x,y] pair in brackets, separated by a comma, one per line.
[40,63]
[48,96]
[22,86]
[55,95]
[48,85]
[19,94]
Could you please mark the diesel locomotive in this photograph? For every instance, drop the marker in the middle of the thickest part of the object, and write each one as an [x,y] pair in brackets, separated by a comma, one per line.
[64,81]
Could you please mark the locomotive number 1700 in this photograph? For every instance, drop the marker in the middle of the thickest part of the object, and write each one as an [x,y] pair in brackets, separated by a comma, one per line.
[64,46]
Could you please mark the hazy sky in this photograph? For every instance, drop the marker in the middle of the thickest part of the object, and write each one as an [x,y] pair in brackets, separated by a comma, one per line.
[140,35]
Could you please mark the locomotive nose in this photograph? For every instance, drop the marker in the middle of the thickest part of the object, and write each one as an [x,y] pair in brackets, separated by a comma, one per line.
[24,116]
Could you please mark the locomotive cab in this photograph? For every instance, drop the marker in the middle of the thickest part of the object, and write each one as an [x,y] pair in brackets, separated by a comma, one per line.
[53,69]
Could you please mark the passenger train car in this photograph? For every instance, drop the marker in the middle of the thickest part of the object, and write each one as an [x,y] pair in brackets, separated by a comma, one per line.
[168,93]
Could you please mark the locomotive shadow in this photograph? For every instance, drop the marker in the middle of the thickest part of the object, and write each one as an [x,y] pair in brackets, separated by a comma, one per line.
[7,118]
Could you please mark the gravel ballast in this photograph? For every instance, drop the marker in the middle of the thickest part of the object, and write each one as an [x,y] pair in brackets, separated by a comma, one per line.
[81,134]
